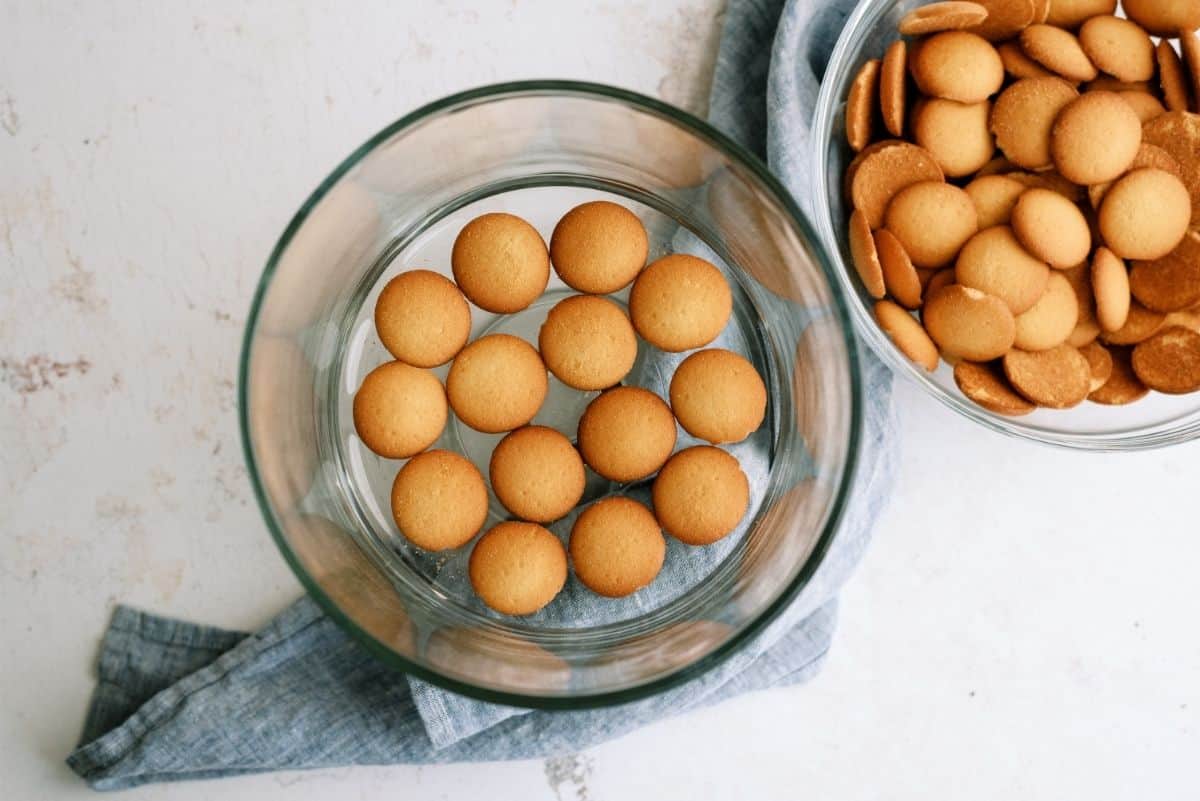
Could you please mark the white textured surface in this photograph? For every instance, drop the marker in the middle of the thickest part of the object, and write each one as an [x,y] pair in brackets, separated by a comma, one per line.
[1024,627]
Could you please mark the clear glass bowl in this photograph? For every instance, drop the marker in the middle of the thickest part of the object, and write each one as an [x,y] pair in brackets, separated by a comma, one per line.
[537,149]
[1154,421]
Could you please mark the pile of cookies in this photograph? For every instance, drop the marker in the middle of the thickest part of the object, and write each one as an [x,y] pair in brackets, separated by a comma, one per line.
[498,383]
[1026,197]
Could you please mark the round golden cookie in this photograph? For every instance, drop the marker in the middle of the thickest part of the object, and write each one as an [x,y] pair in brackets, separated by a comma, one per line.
[893,86]
[932,220]
[1051,320]
[955,134]
[1023,117]
[1171,77]
[1100,362]
[1095,138]
[968,323]
[616,547]
[626,433]
[988,387]
[399,410]
[718,396]
[881,172]
[497,383]
[500,263]
[994,262]
[947,15]
[1123,386]
[1058,51]
[1178,133]
[958,66]
[860,157]
[1145,214]
[439,500]
[1119,47]
[994,197]
[1169,361]
[907,334]
[1171,283]
[700,495]
[1164,17]
[1058,378]
[1051,228]
[587,342]
[899,276]
[861,105]
[1019,65]
[1140,324]
[865,255]
[598,247]
[517,568]
[537,474]
[1006,18]
[422,318]
[1110,288]
[1070,13]
[680,302]
[1144,104]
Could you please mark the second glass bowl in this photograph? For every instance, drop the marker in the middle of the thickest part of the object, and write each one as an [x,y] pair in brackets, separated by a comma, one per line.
[1154,421]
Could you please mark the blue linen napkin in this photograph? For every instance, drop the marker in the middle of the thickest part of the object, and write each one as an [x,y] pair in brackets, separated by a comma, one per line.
[179,701]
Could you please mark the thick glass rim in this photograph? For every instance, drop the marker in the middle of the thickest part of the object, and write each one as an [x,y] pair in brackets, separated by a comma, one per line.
[840,310]
[1170,432]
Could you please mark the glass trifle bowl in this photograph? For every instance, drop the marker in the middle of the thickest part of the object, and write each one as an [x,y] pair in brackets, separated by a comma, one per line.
[1156,420]
[537,149]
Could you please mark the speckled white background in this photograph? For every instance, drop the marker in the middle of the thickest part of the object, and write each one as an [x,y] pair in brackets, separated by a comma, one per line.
[1024,627]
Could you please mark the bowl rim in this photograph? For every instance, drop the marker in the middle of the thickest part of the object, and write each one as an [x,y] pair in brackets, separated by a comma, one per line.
[1157,435]
[838,307]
